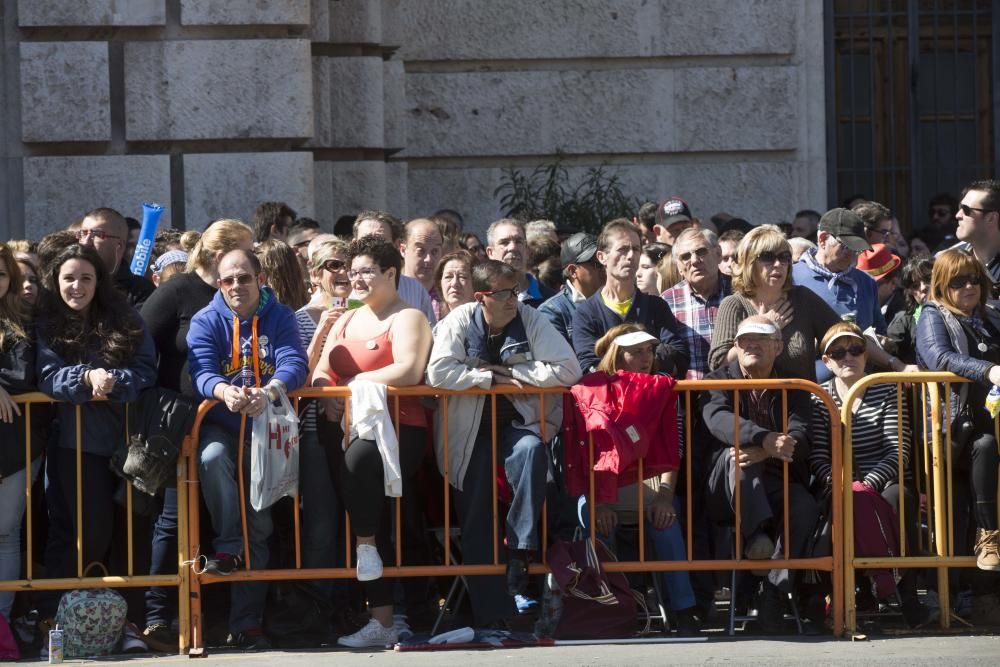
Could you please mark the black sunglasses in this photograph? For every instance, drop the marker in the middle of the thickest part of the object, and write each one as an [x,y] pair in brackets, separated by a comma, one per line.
[784,257]
[968,280]
[333,265]
[967,210]
[855,350]
[685,257]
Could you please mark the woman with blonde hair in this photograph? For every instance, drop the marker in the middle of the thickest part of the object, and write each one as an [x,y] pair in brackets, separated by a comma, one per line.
[959,331]
[629,347]
[762,285]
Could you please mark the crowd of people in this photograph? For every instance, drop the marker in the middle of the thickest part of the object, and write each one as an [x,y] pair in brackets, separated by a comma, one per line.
[239,312]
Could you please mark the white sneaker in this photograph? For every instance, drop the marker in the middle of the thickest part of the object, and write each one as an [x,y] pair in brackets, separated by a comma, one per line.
[402,627]
[369,563]
[373,635]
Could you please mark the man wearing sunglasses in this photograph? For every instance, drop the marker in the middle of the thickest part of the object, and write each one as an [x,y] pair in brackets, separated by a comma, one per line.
[583,275]
[106,231]
[239,346]
[877,219]
[695,300]
[498,340]
[829,270]
[979,225]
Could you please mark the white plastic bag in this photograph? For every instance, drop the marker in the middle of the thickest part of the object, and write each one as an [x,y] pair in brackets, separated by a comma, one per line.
[274,454]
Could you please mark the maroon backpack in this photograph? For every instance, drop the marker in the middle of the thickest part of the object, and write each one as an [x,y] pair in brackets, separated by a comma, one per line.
[596,604]
[875,526]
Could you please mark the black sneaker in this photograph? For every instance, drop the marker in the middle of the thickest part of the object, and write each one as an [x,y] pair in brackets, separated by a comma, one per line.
[688,624]
[223,564]
[253,639]
[159,638]
[517,576]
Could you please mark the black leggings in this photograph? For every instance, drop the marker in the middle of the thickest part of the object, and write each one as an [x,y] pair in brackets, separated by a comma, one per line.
[363,485]
[982,460]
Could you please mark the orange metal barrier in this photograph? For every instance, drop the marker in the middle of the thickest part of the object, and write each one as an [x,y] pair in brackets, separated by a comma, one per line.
[832,563]
[130,579]
[936,483]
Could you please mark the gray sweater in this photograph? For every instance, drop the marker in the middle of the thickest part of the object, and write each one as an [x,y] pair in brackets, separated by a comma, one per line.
[811,319]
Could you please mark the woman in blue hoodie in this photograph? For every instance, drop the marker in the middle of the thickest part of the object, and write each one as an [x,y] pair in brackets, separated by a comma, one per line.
[91,345]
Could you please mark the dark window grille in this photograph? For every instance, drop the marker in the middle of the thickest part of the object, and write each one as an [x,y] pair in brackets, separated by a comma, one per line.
[911,101]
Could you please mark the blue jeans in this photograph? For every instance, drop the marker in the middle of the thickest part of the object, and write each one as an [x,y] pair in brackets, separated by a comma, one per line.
[160,607]
[668,544]
[12,500]
[526,465]
[217,470]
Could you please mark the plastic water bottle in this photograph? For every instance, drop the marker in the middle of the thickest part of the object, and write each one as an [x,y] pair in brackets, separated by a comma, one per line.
[993,401]
[55,646]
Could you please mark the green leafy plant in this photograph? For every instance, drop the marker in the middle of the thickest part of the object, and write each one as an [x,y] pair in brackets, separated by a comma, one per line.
[546,193]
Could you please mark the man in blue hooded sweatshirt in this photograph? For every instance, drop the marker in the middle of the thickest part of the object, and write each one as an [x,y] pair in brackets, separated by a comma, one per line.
[239,346]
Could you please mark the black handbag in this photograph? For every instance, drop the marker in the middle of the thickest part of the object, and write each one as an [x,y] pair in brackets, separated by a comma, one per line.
[157,424]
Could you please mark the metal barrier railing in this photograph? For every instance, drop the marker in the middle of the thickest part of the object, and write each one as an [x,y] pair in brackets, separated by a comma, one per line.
[831,563]
[130,579]
[933,479]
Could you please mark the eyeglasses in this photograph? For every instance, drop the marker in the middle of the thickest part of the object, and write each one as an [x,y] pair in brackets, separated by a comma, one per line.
[686,257]
[969,280]
[333,265]
[242,279]
[784,257]
[504,294]
[884,233]
[96,233]
[967,210]
[855,350]
[365,274]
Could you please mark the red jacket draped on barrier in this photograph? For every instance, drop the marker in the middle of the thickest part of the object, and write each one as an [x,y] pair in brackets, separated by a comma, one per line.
[632,416]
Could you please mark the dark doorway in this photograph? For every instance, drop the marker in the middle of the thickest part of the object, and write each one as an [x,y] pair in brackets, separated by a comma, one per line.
[911,101]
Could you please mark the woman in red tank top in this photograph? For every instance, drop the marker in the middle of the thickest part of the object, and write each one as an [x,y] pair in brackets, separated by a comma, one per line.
[387,342]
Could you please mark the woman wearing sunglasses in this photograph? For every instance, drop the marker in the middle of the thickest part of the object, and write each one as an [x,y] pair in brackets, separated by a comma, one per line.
[386,342]
[320,450]
[875,441]
[762,285]
[959,332]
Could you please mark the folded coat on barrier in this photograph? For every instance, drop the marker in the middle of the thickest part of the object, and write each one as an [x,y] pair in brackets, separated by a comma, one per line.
[632,416]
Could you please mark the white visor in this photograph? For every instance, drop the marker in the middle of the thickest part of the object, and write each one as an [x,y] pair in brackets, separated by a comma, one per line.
[841,335]
[756,328]
[634,338]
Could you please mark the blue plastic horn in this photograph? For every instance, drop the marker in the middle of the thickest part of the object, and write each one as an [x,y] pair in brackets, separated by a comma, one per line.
[147,234]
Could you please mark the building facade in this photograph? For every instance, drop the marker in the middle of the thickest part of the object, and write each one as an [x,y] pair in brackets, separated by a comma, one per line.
[210,106]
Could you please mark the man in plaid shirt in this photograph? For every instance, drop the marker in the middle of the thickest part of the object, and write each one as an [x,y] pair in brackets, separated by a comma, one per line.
[695,300]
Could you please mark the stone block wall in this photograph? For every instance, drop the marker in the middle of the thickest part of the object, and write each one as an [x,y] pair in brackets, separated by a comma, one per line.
[210,106]
[719,101]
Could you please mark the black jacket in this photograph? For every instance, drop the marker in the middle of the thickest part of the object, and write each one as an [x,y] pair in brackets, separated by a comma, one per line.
[717,412]
[17,376]
[136,288]
[592,319]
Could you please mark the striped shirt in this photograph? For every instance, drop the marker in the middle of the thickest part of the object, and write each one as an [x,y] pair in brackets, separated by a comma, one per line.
[307,418]
[875,436]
